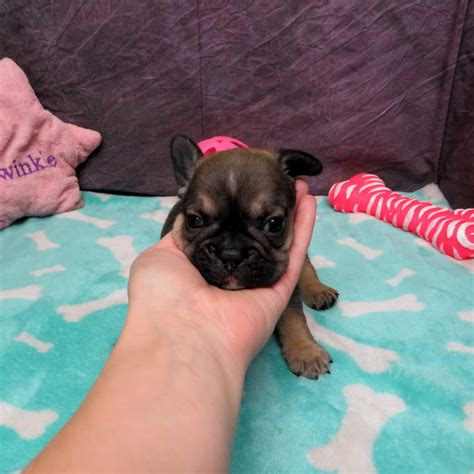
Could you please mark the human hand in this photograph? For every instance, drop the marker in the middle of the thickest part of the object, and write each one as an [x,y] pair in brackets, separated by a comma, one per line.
[171,389]
[169,298]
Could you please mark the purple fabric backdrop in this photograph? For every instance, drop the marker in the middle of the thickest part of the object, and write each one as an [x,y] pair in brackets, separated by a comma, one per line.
[456,171]
[366,87]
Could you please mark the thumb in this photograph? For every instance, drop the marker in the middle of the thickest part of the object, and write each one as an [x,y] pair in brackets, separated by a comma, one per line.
[167,242]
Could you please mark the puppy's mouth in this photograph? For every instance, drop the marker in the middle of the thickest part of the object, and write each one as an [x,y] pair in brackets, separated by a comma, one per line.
[255,271]
[232,284]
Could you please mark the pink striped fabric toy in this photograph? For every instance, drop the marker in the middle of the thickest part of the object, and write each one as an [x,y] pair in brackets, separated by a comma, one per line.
[451,232]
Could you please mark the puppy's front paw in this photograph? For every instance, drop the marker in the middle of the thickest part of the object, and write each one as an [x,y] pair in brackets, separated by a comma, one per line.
[320,296]
[309,360]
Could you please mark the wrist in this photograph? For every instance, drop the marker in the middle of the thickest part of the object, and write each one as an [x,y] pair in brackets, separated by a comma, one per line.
[184,343]
[156,394]
[192,372]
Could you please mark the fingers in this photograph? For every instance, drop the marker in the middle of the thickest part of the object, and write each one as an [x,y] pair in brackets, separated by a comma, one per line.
[304,222]
[301,189]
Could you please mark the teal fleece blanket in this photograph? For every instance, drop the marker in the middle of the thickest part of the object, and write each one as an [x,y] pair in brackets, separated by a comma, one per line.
[400,396]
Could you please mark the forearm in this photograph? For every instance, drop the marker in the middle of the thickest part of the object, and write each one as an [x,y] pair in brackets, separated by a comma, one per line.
[160,406]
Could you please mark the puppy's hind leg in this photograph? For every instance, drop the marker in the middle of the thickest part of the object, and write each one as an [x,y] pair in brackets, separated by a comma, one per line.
[303,355]
[314,293]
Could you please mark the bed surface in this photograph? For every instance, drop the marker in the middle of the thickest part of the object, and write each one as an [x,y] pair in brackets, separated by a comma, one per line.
[400,397]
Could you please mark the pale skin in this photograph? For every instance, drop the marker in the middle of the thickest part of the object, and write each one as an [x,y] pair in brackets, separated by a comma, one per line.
[168,397]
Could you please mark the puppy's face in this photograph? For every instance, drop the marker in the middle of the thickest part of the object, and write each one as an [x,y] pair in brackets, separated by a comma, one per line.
[234,220]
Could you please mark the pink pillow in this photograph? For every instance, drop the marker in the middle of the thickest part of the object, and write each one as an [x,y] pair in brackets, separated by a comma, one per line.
[38,152]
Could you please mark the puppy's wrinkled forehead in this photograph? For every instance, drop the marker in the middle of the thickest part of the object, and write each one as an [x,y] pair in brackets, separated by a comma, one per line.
[251,179]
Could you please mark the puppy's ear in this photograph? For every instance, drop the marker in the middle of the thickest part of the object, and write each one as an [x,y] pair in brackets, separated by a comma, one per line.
[299,163]
[184,154]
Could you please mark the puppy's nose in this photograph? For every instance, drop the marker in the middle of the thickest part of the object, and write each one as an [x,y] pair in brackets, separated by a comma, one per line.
[232,257]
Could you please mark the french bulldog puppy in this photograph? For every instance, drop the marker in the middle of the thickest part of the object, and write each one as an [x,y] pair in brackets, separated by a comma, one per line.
[234,221]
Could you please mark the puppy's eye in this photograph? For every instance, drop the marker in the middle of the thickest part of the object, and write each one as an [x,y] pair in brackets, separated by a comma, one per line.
[194,221]
[274,224]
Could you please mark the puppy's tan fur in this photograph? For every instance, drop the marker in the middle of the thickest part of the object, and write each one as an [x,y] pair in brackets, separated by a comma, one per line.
[302,353]
[257,183]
